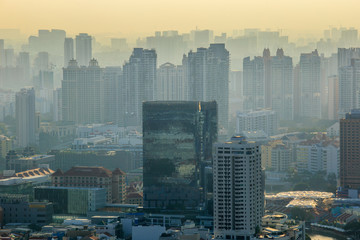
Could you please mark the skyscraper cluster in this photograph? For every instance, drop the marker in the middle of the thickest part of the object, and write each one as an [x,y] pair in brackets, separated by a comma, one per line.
[268,83]
[91,94]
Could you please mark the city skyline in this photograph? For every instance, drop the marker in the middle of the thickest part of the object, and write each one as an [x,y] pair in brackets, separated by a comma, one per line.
[105,16]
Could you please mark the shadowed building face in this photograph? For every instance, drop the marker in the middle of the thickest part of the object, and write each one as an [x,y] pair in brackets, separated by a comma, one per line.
[177,141]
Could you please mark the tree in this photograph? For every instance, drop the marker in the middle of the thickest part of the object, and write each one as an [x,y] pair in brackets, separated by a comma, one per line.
[300,214]
[119,233]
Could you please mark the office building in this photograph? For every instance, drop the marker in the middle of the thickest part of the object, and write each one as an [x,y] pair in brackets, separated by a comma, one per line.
[207,78]
[83,49]
[72,200]
[310,85]
[16,208]
[177,147]
[238,189]
[82,93]
[170,83]
[350,150]
[94,177]
[68,51]
[265,120]
[25,117]
[139,81]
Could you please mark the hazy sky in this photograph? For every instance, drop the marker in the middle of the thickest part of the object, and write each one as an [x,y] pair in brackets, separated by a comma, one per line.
[131,17]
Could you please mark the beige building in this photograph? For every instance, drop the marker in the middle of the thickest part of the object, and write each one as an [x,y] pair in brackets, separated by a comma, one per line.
[93,177]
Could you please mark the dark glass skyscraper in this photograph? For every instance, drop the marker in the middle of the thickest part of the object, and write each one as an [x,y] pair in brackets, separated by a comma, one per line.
[177,142]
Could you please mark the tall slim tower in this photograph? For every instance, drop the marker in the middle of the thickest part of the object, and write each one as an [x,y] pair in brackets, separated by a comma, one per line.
[68,50]
[349,79]
[310,83]
[282,85]
[83,49]
[254,83]
[207,76]
[177,146]
[350,150]
[25,117]
[139,81]
[238,189]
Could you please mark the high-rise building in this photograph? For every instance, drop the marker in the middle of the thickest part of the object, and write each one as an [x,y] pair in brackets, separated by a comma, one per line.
[207,78]
[82,93]
[265,120]
[72,200]
[350,150]
[177,148]
[333,97]
[25,117]
[170,83]
[254,84]
[238,189]
[68,50]
[23,64]
[139,84]
[349,77]
[282,85]
[2,52]
[346,54]
[9,57]
[83,49]
[310,84]
[57,105]
[112,99]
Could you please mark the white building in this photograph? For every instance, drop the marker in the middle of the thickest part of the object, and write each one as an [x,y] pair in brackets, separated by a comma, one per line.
[333,130]
[315,156]
[265,120]
[238,189]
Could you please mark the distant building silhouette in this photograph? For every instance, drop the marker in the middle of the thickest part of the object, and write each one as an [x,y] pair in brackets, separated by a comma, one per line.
[83,49]
[82,93]
[25,117]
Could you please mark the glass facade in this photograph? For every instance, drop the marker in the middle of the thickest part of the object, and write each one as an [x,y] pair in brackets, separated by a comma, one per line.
[177,144]
[68,200]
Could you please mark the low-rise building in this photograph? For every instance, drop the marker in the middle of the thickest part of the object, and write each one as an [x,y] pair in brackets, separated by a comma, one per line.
[17,208]
[23,163]
[72,200]
[94,177]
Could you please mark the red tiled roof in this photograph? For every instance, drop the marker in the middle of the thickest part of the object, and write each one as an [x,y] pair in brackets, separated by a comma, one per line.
[134,195]
[88,171]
